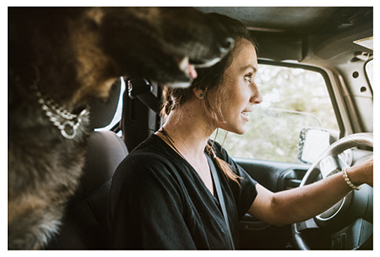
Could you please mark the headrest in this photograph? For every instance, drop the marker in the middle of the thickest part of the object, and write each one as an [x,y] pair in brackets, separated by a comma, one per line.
[102,112]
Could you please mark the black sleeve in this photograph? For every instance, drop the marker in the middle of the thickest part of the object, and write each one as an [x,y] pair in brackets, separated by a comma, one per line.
[147,213]
[245,193]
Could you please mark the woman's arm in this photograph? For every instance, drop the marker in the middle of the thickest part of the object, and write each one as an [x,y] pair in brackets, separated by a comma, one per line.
[305,202]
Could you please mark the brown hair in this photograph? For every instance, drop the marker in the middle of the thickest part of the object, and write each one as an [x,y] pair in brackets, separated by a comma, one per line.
[209,78]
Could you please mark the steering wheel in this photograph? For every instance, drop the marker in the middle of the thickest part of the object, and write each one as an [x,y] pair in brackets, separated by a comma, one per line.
[349,223]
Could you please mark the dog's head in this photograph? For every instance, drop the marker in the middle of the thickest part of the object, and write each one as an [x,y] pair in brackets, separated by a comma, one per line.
[163,44]
[79,52]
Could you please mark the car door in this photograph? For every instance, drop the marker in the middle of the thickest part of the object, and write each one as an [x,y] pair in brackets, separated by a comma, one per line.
[296,98]
[275,176]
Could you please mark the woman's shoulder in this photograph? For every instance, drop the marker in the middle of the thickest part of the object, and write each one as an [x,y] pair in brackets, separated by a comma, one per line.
[146,158]
[153,146]
[147,173]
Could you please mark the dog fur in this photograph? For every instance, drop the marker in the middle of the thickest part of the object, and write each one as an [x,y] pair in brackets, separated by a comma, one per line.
[72,55]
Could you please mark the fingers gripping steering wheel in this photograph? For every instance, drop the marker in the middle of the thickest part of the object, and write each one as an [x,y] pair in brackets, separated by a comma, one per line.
[349,223]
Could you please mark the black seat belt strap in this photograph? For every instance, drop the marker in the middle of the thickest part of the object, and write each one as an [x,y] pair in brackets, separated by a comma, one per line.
[220,196]
[142,89]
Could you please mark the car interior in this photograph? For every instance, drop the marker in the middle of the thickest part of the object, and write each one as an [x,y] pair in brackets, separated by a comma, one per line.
[336,42]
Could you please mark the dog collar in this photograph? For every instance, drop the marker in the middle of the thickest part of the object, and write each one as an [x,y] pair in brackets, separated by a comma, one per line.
[65,121]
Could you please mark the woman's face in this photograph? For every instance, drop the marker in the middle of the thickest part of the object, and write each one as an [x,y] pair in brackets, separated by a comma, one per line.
[241,92]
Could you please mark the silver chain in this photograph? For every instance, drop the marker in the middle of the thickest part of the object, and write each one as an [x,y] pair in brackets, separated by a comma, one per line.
[55,112]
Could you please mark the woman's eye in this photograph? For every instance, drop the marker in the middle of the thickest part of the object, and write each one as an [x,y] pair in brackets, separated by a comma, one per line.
[248,78]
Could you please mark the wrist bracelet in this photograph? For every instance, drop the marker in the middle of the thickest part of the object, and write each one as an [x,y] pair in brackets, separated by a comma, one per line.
[347,179]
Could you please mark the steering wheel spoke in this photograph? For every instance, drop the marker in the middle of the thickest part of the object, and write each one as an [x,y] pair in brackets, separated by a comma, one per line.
[329,165]
[334,163]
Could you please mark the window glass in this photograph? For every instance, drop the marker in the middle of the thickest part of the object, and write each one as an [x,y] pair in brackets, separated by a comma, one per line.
[294,99]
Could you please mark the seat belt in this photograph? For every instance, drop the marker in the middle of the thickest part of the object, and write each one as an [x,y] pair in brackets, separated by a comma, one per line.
[142,89]
[220,196]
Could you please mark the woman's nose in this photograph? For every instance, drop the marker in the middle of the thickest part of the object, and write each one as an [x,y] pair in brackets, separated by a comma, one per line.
[256,97]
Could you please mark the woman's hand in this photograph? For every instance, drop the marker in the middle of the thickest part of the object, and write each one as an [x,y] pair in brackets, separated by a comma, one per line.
[362,173]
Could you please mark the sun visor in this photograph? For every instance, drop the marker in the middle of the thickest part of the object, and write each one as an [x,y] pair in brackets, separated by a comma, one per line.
[278,46]
[357,39]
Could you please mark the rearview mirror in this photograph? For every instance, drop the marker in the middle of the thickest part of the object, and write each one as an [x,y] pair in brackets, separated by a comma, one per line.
[312,143]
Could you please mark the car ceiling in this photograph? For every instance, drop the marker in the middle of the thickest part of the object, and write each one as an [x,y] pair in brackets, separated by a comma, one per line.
[279,19]
[299,33]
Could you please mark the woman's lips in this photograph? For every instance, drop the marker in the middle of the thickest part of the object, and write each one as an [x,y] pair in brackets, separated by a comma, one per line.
[245,115]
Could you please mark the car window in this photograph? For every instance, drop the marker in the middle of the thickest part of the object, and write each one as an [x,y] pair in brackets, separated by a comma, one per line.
[294,99]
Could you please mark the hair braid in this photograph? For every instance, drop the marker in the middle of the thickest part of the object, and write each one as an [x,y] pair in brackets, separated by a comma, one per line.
[224,166]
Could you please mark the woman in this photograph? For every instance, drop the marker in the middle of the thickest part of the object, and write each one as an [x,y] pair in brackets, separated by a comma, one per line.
[163,195]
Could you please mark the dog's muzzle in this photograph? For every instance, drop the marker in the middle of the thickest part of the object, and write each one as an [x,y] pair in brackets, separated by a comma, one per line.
[224,50]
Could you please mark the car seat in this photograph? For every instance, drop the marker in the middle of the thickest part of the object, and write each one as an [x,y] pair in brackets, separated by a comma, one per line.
[85,221]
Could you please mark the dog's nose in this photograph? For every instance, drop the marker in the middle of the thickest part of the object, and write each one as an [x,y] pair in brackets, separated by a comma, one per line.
[227,45]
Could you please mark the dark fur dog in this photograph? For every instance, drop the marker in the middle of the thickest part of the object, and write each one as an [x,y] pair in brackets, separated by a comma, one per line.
[58,59]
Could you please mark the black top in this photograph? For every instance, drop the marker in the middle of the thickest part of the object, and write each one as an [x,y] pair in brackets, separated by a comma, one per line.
[158,201]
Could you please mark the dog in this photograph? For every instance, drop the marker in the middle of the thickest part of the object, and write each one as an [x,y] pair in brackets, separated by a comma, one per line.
[59,58]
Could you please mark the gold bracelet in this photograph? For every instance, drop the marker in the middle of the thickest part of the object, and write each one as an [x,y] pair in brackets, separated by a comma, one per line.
[347,179]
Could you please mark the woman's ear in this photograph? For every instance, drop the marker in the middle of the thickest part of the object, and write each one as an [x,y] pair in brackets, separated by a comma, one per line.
[198,93]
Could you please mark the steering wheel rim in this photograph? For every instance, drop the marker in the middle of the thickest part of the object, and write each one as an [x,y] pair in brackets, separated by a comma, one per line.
[341,208]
